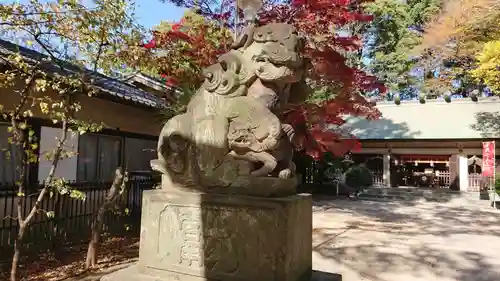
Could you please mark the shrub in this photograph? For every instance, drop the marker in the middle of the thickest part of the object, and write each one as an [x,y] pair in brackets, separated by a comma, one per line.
[497,184]
[359,177]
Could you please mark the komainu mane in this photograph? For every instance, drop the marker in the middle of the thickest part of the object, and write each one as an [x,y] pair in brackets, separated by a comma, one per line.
[231,138]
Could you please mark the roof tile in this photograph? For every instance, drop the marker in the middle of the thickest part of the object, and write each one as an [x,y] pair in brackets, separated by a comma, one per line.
[106,84]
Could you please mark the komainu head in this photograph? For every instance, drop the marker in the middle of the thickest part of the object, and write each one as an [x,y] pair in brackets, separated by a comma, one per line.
[274,51]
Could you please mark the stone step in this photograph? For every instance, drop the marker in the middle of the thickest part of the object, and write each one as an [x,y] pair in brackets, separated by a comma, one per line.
[416,191]
[384,197]
[472,199]
[408,195]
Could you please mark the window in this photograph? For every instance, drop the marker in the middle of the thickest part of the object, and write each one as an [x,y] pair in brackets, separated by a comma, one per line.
[8,162]
[139,153]
[98,157]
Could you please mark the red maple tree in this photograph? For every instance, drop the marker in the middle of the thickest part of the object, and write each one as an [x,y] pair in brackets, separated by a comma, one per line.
[316,123]
[182,49]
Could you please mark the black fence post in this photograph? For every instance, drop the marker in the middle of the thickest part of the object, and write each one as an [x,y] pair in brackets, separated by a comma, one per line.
[71,223]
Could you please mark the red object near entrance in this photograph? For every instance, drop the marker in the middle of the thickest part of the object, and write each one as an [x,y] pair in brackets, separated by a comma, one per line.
[488,159]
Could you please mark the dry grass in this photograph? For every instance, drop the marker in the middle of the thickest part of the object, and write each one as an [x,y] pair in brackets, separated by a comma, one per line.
[69,262]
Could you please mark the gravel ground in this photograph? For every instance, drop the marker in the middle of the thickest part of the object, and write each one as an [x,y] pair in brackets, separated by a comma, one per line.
[457,240]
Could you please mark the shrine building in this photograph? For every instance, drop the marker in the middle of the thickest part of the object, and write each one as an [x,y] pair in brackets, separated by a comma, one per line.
[433,143]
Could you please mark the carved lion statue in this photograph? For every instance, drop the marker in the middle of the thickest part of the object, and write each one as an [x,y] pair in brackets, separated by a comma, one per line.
[231,138]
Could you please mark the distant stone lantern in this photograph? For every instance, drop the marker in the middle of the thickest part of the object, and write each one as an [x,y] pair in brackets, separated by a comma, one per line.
[397,99]
[422,97]
[474,95]
[447,96]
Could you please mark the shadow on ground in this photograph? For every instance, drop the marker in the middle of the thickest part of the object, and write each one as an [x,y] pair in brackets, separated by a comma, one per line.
[325,276]
[415,218]
[386,241]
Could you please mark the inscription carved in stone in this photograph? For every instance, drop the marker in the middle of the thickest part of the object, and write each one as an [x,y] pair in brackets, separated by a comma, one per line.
[214,239]
[190,236]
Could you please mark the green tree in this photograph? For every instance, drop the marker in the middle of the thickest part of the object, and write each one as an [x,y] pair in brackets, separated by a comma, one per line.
[484,39]
[64,31]
[390,41]
[462,39]
[488,61]
[390,38]
[423,11]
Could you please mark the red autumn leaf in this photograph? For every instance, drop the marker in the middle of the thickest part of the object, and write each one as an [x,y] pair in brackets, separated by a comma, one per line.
[298,2]
[171,81]
[176,26]
[356,146]
[315,124]
[223,16]
[150,45]
[334,120]
[348,43]
[178,35]
[316,18]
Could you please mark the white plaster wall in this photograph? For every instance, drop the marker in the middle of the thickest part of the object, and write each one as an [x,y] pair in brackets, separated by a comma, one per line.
[66,168]
[436,119]
[463,177]
[387,169]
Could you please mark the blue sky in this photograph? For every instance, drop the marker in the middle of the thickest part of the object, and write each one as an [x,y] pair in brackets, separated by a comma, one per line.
[151,12]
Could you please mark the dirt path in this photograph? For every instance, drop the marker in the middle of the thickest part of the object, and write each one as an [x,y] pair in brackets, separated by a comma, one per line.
[421,241]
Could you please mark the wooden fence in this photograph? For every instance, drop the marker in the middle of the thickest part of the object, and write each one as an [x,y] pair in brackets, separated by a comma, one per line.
[475,181]
[71,218]
[378,179]
[442,179]
[478,182]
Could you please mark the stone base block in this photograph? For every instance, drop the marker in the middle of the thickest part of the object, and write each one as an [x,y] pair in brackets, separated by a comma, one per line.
[188,236]
[132,274]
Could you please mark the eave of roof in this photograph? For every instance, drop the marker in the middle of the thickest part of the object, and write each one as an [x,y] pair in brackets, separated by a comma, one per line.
[121,91]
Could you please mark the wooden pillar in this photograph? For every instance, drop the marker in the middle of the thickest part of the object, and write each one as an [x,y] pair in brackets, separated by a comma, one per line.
[459,174]
[387,170]
[454,172]
[463,172]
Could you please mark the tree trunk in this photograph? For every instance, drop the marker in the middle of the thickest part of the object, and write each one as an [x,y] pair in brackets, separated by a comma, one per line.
[95,235]
[19,139]
[92,251]
[17,252]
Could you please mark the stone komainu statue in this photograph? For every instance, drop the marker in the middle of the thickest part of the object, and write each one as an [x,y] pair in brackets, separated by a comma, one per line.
[231,138]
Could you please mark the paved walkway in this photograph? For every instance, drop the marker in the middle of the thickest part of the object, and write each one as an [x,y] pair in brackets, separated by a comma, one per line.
[398,241]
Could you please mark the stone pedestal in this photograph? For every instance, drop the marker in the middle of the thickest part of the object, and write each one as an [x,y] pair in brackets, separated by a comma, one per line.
[188,236]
